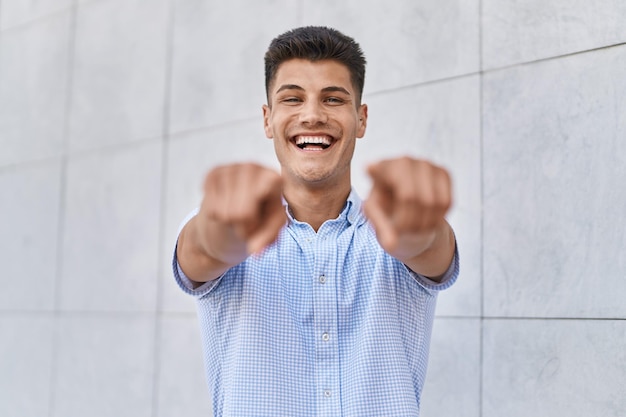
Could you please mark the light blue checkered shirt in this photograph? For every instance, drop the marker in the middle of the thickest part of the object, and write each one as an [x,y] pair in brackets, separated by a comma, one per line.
[322,324]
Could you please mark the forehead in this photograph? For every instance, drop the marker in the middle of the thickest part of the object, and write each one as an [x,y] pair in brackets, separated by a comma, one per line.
[312,75]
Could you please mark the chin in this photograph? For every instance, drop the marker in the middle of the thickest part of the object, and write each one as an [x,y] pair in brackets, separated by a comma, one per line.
[312,176]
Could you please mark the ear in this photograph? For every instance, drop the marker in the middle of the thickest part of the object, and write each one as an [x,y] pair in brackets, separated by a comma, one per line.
[267,112]
[362,125]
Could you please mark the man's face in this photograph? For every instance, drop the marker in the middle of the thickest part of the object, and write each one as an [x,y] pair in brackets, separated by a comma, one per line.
[314,121]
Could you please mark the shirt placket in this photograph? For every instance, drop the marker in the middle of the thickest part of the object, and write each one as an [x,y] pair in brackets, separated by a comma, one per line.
[325,323]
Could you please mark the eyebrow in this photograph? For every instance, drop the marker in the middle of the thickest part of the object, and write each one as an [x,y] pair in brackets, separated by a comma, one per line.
[324,90]
[289,87]
[335,89]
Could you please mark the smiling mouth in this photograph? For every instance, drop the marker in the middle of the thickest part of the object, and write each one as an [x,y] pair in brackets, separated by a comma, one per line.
[313,142]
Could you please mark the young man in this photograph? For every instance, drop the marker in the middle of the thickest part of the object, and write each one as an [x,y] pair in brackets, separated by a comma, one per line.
[310,302]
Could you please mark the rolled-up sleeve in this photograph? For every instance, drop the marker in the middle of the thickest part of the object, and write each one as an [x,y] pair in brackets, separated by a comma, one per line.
[448,278]
[187,285]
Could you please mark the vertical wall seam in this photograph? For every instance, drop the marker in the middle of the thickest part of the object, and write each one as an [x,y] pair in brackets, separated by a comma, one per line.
[56,316]
[158,314]
[482,211]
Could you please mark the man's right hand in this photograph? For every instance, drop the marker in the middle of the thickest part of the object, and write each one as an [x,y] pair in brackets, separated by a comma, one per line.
[241,213]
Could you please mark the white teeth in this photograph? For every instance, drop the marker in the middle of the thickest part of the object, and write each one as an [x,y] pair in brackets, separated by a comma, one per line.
[322,140]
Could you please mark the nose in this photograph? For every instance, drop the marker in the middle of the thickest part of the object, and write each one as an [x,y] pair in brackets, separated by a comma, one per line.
[313,113]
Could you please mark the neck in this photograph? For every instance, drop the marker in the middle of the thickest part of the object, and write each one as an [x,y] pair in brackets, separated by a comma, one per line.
[316,205]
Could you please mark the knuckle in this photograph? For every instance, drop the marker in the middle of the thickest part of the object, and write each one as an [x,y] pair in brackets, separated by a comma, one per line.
[405,196]
[428,198]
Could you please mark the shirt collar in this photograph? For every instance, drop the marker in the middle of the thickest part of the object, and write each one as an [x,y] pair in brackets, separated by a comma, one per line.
[351,211]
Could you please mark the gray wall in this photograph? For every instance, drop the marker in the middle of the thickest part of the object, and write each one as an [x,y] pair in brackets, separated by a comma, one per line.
[112,110]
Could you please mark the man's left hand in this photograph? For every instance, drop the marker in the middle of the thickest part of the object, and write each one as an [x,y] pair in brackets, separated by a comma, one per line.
[407,207]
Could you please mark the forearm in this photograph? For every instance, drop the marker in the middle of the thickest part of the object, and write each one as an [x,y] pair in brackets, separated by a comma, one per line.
[435,258]
[193,258]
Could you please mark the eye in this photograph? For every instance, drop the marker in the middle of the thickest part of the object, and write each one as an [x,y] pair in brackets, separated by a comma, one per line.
[290,100]
[334,100]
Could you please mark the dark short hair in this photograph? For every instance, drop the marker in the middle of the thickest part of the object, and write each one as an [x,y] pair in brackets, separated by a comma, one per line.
[316,43]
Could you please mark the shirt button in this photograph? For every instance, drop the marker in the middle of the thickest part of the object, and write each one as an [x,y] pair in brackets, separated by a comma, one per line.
[325,337]
[327,393]
[322,279]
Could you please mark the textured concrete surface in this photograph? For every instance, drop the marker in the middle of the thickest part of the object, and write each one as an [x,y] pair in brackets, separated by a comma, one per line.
[111,111]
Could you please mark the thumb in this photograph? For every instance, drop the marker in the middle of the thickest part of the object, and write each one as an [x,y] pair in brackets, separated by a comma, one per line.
[268,230]
[380,220]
